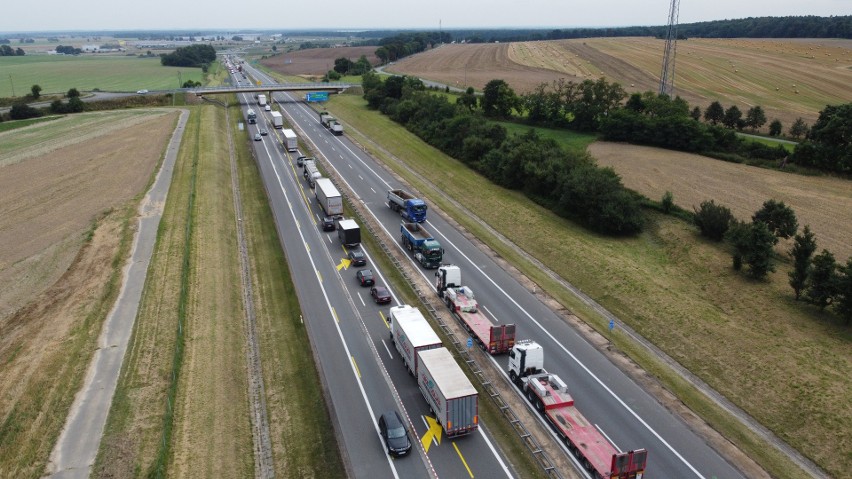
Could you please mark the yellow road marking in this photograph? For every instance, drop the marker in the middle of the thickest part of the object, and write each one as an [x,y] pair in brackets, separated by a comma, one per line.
[319,276]
[334,313]
[462,460]
[384,320]
[358,371]
[434,432]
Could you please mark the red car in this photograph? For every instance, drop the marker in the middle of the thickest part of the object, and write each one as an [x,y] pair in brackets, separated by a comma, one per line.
[380,294]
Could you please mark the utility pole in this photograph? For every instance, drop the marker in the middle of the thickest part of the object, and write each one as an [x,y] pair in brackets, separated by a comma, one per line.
[13,85]
[668,70]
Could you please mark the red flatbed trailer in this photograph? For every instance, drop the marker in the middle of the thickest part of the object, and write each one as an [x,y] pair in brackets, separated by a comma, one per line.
[493,339]
[550,395]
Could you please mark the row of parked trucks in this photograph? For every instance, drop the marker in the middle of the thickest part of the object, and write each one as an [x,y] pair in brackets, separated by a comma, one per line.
[331,202]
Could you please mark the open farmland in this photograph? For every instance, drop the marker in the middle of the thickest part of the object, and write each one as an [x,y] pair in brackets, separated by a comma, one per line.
[824,203]
[788,78]
[64,227]
[316,61]
[59,73]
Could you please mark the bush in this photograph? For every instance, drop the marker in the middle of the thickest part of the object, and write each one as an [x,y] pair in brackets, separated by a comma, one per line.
[713,220]
[22,111]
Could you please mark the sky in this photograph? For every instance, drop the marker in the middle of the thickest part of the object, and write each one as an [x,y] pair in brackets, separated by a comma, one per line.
[387,14]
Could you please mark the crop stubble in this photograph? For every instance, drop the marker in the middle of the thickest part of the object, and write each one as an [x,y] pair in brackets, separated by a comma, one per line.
[53,292]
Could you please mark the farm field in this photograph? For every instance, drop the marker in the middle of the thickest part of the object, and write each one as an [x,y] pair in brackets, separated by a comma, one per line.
[824,203]
[58,74]
[782,362]
[789,78]
[65,225]
[316,61]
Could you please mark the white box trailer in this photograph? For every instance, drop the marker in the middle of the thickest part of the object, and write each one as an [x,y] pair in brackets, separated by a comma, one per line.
[328,196]
[277,120]
[291,141]
[410,333]
[449,393]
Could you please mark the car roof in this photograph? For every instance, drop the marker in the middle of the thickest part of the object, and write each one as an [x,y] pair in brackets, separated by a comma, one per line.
[392,419]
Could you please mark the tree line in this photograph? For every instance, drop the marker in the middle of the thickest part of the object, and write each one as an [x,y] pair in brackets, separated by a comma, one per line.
[7,51]
[816,279]
[191,56]
[404,44]
[570,184]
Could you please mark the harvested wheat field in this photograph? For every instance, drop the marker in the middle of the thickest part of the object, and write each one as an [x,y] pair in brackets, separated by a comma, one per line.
[824,203]
[66,194]
[316,61]
[789,78]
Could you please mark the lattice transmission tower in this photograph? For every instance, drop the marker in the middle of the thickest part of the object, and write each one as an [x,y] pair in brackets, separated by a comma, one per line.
[668,72]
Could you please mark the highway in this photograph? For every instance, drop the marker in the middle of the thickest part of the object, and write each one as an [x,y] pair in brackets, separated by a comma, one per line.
[362,375]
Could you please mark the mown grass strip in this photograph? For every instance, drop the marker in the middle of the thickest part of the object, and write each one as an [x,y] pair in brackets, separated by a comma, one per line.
[303,444]
[159,467]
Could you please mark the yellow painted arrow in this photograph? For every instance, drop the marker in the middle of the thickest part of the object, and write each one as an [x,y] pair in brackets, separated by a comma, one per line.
[433,432]
[344,263]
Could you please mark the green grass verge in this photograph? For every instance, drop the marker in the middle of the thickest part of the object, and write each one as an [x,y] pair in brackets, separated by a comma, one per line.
[15,124]
[667,284]
[570,140]
[58,74]
[773,142]
[134,430]
[303,445]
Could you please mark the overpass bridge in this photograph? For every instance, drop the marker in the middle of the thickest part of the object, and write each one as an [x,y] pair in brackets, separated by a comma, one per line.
[272,87]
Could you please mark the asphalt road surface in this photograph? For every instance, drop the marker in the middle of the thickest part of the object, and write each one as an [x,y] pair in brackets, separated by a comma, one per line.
[623,411]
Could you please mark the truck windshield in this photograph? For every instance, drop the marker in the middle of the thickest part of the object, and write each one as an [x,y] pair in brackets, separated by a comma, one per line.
[419,208]
[433,253]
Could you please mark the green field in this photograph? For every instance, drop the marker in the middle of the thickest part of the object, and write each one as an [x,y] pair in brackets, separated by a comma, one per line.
[58,74]
[570,140]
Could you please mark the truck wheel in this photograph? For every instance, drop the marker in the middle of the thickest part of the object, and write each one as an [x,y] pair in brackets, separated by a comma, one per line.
[513,377]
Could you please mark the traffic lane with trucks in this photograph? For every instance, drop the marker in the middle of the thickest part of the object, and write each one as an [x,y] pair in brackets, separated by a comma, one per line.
[357,390]
[471,455]
[630,416]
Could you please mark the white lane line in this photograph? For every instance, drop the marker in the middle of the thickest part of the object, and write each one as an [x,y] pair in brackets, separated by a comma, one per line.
[387,349]
[608,438]
[362,299]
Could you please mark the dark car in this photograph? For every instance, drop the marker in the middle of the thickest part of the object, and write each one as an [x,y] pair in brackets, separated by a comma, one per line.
[365,277]
[380,294]
[394,433]
[264,132]
[327,223]
[357,257]
[300,161]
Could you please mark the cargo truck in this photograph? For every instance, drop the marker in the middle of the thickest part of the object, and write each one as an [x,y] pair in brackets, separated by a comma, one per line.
[328,197]
[410,333]
[311,173]
[493,339]
[348,232]
[426,249]
[277,120]
[261,100]
[291,141]
[451,396]
[411,208]
[330,123]
[251,116]
[548,394]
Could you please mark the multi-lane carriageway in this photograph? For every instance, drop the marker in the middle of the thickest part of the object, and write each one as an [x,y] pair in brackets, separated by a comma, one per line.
[363,375]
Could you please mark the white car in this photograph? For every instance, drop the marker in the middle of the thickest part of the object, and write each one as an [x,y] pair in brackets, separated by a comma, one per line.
[141,92]
[268,108]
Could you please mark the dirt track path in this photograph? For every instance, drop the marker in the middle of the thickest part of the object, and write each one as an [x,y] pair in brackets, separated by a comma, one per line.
[75,451]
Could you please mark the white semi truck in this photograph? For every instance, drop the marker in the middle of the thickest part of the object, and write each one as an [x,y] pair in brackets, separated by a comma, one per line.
[291,141]
[410,333]
[328,197]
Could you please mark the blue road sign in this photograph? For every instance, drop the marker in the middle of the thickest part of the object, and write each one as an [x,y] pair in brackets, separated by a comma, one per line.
[611,324]
[469,342]
[316,96]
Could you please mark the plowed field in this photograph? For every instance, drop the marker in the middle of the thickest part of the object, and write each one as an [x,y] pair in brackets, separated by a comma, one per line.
[788,78]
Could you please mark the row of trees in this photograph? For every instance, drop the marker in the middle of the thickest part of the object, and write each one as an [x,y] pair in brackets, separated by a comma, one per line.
[819,279]
[68,50]
[568,183]
[404,44]
[7,51]
[345,66]
[191,56]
